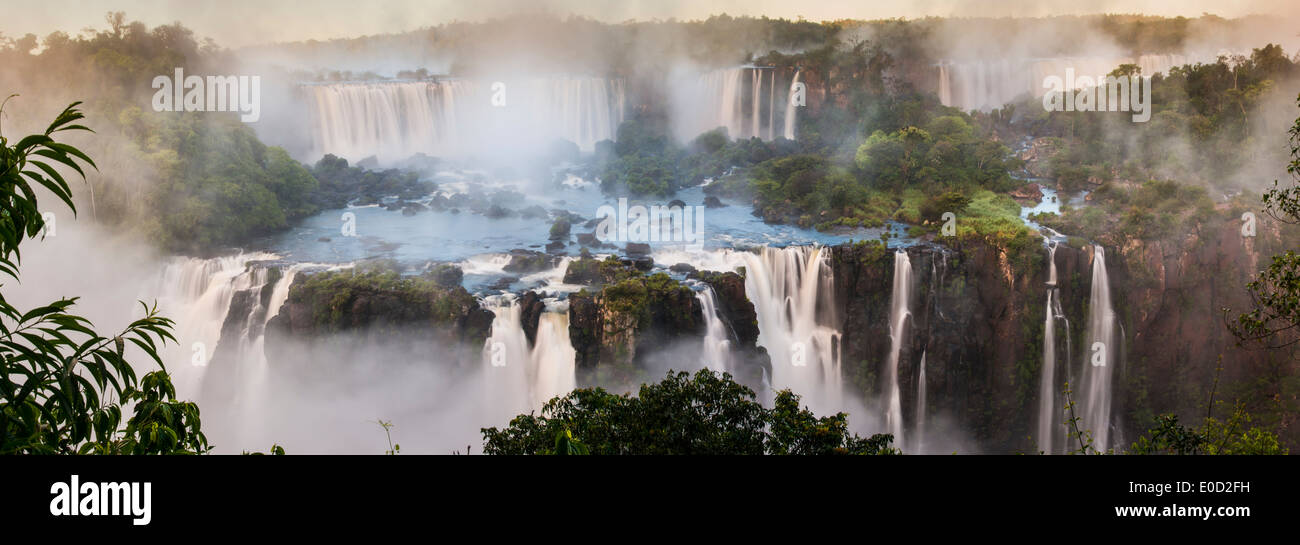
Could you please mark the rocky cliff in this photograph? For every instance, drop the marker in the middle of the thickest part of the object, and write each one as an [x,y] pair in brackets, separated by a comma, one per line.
[347,309]
[977,315]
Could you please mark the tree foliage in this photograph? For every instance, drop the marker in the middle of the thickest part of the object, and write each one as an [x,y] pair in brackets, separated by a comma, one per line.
[190,182]
[1234,436]
[1275,320]
[63,386]
[705,413]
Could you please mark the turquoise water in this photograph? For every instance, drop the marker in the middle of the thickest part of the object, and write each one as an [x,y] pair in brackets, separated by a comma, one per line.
[446,236]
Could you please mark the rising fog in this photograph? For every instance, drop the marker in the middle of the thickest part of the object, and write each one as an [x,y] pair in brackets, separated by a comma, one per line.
[327,400]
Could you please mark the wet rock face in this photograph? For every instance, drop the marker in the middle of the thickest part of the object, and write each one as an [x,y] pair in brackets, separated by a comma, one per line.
[530,261]
[446,275]
[1030,193]
[1170,299]
[972,322]
[736,308]
[531,308]
[589,271]
[978,316]
[614,329]
[740,317]
[381,310]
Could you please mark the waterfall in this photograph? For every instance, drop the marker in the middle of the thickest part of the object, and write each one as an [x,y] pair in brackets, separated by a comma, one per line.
[771,106]
[586,110]
[791,110]
[728,85]
[990,83]
[898,316]
[1099,355]
[221,307]
[945,86]
[397,119]
[722,98]
[920,408]
[390,120]
[717,342]
[756,81]
[553,355]
[792,290]
[197,294]
[1047,411]
[521,377]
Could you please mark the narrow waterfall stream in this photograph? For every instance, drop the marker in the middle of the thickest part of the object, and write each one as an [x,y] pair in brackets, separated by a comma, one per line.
[1047,391]
[899,314]
[920,409]
[791,109]
[717,343]
[1099,356]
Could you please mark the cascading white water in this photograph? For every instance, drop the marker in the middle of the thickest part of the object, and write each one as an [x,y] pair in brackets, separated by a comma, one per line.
[771,107]
[197,293]
[721,98]
[899,313]
[553,355]
[389,120]
[520,378]
[1099,356]
[586,110]
[945,85]
[791,109]
[217,354]
[920,408]
[717,343]
[756,93]
[792,289]
[1047,412]
[255,338]
[395,120]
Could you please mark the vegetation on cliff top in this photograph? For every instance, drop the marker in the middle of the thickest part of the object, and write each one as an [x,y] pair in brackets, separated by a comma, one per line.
[378,295]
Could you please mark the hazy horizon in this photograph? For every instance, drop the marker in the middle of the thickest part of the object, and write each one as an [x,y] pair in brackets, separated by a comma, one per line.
[241,23]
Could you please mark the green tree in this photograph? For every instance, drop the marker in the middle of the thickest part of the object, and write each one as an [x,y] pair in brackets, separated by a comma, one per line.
[1234,436]
[705,413]
[58,377]
[1275,320]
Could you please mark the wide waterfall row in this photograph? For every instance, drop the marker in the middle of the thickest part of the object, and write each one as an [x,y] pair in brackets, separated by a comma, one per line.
[395,120]
[387,120]
[989,84]
[746,100]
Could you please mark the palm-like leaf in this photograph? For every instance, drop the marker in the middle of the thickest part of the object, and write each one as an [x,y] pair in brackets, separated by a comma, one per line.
[56,373]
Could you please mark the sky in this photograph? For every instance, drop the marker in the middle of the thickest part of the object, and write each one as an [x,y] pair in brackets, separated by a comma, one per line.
[237,23]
